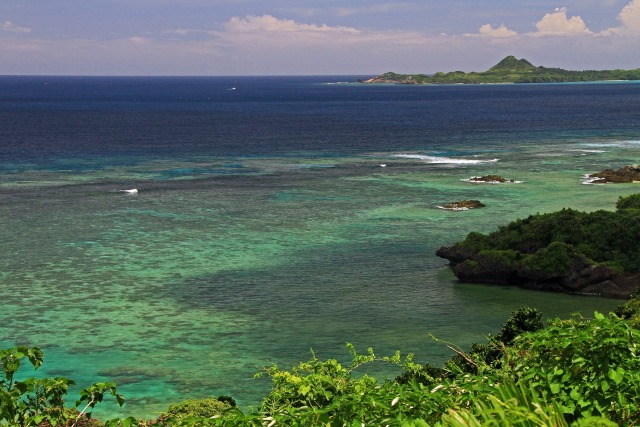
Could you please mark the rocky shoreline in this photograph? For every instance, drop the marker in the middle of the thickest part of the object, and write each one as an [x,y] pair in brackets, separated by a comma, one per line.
[588,253]
[626,174]
[580,277]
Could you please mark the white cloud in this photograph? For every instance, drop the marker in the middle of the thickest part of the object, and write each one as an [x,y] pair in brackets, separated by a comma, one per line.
[558,24]
[630,16]
[499,32]
[271,45]
[270,24]
[12,28]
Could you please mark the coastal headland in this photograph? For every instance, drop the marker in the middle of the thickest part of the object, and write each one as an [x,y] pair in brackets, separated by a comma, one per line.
[568,251]
[509,70]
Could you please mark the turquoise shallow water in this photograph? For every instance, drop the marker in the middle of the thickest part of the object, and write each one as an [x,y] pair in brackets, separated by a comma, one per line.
[223,264]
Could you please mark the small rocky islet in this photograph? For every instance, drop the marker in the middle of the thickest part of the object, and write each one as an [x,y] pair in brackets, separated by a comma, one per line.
[626,174]
[463,205]
[490,179]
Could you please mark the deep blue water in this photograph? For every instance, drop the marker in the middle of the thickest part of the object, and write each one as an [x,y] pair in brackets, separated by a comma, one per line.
[48,118]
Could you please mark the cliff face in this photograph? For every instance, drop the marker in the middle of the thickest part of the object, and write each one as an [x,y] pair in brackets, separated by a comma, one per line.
[576,275]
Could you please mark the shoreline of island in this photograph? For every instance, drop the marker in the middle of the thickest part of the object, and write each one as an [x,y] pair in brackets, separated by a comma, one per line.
[508,71]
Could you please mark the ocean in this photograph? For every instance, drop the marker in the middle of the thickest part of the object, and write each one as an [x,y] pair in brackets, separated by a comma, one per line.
[273,217]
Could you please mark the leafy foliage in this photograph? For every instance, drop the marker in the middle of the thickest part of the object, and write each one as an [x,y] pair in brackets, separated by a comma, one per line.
[629,202]
[579,372]
[546,245]
[207,407]
[589,368]
[514,404]
[630,310]
[486,357]
[35,401]
[318,383]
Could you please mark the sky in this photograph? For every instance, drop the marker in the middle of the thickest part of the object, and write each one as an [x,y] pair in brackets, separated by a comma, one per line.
[311,37]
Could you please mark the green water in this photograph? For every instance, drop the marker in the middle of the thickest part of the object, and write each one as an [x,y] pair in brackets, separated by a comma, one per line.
[191,286]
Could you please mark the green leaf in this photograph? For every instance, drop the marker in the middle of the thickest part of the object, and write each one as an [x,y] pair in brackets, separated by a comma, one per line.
[583,403]
[616,375]
[575,394]
[304,389]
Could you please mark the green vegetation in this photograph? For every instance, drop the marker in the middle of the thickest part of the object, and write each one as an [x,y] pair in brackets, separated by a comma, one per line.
[510,70]
[547,242]
[547,249]
[40,401]
[578,372]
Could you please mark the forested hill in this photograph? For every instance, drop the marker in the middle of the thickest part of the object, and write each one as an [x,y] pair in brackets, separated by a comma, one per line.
[509,70]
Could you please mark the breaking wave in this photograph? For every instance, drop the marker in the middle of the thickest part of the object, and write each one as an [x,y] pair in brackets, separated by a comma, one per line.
[622,143]
[445,160]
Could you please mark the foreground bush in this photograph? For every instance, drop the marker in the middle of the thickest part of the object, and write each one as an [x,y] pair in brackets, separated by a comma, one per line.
[579,372]
[587,367]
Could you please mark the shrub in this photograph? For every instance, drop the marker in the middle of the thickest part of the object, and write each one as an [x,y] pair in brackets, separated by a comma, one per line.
[555,260]
[630,310]
[40,401]
[525,319]
[487,357]
[589,368]
[477,242]
[206,407]
[426,374]
[600,236]
[628,202]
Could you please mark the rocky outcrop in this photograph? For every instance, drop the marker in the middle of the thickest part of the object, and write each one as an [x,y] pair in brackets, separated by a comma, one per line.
[594,253]
[630,173]
[463,205]
[490,179]
[575,274]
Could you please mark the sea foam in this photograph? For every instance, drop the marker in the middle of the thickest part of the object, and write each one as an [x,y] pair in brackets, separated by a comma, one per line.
[587,179]
[621,143]
[590,151]
[452,209]
[444,160]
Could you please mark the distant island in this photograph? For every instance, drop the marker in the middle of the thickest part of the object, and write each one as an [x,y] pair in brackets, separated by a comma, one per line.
[509,70]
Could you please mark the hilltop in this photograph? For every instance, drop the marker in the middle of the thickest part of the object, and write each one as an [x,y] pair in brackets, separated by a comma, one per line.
[509,70]
[513,65]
